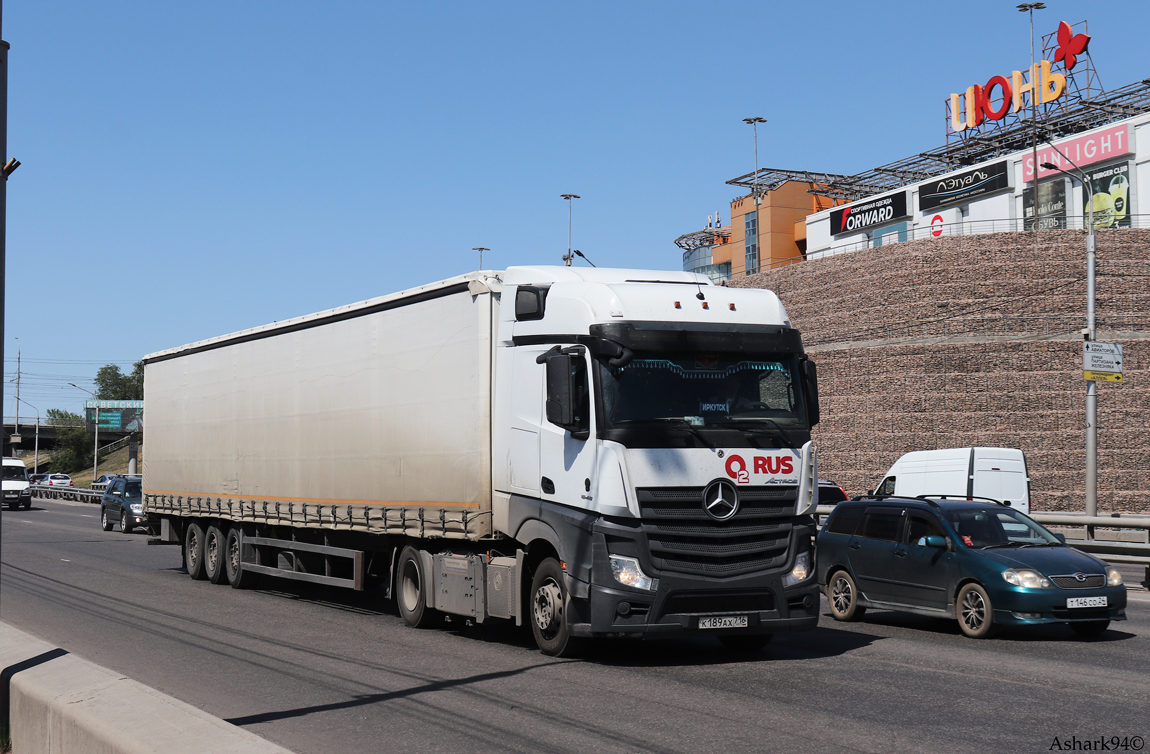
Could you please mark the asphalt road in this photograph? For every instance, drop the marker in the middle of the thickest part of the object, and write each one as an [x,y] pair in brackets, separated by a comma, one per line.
[320,670]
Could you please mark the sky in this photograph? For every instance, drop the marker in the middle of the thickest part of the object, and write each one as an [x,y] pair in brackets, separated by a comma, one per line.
[194,169]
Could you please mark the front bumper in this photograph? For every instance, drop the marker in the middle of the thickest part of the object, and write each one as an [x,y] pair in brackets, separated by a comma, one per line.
[604,607]
[1038,606]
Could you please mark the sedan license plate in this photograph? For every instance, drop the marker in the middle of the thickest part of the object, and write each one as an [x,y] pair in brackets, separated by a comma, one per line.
[726,621]
[1086,602]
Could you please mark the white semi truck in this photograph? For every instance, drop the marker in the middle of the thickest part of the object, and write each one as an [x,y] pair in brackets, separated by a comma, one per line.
[593,452]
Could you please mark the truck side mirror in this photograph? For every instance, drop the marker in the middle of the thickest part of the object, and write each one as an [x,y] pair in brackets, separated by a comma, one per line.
[811,388]
[567,393]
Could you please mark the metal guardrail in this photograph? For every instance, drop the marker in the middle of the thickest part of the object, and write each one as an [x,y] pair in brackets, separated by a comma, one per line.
[75,494]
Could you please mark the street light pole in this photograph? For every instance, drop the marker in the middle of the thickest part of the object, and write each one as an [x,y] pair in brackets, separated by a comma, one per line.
[755,121]
[480,249]
[36,450]
[95,428]
[567,259]
[1091,385]
[1030,8]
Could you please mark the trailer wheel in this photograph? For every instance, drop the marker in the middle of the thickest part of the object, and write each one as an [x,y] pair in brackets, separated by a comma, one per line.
[238,576]
[548,611]
[194,551]
[215,553]
[409,591]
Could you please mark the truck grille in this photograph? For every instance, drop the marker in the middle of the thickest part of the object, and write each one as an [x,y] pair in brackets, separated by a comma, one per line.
[682,537]
[1093,581]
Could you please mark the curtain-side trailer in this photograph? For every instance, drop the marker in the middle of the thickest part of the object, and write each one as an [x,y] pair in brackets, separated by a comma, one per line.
[591,452]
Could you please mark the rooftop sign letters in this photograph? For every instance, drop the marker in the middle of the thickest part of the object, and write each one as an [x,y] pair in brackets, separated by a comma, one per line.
[868,214]
[963,186]
[977,104]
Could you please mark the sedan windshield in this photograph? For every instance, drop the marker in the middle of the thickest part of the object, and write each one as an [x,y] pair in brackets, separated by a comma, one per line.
[1003,527]
[704,390]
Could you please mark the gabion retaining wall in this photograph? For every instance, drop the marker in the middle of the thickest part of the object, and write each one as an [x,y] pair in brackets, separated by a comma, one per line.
[975,340]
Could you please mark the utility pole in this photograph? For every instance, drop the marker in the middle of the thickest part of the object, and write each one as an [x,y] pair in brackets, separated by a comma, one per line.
[569,256]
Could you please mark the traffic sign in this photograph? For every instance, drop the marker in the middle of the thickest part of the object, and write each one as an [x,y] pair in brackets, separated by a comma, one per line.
[1101,357]
[1102,376]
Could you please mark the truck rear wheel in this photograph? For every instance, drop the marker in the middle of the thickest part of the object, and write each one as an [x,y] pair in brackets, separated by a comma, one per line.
[194,551]
[215,549]
[409,591]
[548,611]
[238,576]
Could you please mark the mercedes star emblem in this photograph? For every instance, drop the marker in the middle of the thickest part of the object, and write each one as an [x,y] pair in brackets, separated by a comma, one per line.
[721,500]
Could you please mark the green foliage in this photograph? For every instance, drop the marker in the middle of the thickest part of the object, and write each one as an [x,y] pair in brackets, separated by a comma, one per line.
[60,418]
[114,385]
[74,443]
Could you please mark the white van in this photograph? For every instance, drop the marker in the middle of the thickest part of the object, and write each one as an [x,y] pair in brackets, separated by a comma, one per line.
[15,484]
[996,473]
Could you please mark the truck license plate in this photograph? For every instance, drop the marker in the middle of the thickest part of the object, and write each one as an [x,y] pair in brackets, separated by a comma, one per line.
[726,621]
[1086,602]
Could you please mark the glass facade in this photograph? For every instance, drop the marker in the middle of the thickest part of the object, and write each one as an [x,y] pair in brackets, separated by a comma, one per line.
[751,241]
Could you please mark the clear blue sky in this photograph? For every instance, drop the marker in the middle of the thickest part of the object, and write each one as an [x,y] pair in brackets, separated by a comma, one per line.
[192,169]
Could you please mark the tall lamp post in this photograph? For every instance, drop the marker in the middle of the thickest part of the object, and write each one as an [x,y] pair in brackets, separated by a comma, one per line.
[480,249]
[754,123]
[1091,385]
[1030,8]
[36,450]
[567,259]
[95,428]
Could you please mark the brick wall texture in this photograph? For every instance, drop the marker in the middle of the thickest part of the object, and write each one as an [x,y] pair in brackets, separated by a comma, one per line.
[975,340]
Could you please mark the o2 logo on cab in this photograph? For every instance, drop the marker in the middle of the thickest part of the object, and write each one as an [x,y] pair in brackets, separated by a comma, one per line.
[737,467]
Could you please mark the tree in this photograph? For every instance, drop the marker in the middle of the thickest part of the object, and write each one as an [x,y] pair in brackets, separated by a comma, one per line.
[114,385]
[74,443]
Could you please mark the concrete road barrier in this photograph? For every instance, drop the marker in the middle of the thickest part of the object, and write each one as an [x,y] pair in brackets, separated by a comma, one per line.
[58,703]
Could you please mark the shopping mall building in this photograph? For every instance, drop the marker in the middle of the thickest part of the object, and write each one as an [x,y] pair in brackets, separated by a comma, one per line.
[944,301]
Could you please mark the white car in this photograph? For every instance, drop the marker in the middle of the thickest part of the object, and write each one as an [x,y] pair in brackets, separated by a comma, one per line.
[57,480]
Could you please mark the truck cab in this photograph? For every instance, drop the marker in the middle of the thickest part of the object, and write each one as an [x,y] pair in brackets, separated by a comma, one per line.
[653,455]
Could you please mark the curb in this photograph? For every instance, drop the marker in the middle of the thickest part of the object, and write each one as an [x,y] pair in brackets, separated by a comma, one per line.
[56,702]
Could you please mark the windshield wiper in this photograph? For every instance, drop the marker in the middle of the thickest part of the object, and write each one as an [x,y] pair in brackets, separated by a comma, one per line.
[667,420]
[1001,544]
[1041,544]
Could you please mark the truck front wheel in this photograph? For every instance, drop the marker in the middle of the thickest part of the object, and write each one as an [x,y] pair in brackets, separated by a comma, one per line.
[548,611]
[409,591]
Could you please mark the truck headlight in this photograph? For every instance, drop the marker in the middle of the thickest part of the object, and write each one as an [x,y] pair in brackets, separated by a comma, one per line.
[137,508]
[1113,578]
[1026,578]
[801,571]
[628,573]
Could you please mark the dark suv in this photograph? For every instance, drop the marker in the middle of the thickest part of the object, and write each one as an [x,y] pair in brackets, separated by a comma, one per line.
[123,502]
[983,563]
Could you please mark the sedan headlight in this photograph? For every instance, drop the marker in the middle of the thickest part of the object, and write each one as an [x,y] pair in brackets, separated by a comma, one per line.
[1025,578]
[1113,578]
[628,573]
[801,571]
[137,507]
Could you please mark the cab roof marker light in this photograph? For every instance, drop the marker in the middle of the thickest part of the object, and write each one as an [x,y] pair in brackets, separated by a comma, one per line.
[706,305]
[678,305]
[732,307]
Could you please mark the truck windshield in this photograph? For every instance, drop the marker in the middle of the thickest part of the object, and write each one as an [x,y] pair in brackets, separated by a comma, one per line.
[704,390]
